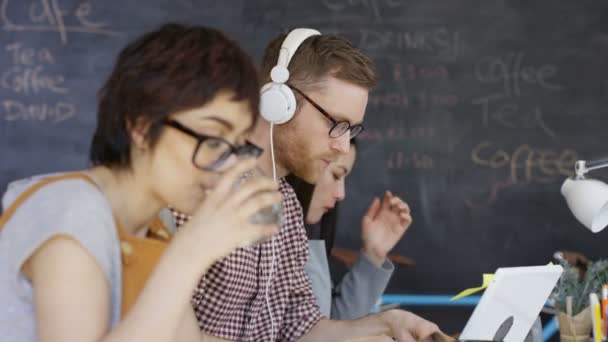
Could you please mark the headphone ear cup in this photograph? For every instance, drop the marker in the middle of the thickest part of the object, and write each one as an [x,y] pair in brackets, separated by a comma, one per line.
[277,103]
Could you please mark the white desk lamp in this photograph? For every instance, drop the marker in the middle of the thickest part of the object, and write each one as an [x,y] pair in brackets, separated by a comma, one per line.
[588,198]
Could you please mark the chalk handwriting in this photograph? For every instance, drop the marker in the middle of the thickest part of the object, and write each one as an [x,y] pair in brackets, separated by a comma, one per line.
[439,41]
[25,80]
[49,16]
[28,74]
[391,99]
[511,115]
[29,56]
[426,100]
[525,164]
[412,72]
[377,8]
[419,100]
[18,111]
[398,132]
[513,73]
[400,160]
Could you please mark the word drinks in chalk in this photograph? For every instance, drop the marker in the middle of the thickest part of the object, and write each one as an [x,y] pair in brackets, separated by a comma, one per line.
[436,41]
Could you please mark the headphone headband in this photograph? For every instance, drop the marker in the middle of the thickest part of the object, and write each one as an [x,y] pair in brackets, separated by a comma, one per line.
[290,45]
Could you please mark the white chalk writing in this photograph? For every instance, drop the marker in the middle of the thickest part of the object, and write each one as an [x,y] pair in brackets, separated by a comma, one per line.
[49,16]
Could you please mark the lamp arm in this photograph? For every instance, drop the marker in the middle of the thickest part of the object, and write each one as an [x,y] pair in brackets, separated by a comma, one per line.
[581,167]
[597,164]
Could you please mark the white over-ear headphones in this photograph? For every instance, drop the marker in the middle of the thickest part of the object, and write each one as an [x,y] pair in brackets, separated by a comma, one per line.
[277,102]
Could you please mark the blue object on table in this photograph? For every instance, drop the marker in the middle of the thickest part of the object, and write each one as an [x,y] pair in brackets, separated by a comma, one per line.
[429,300]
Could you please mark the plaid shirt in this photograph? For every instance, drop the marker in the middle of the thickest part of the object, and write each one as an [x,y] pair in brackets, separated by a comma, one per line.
[230,300]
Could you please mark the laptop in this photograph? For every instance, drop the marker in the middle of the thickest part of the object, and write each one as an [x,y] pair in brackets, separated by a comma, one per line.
[511,303]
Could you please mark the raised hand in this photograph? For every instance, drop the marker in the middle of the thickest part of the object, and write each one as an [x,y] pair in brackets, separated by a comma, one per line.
[383,225]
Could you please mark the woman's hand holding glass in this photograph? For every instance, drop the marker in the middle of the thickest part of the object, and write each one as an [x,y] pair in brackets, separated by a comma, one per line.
[223,221]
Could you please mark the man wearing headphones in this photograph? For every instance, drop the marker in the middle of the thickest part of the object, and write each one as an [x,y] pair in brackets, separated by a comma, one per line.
[313,104]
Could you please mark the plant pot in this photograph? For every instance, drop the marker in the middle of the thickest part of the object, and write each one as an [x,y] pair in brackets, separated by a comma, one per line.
[575,328]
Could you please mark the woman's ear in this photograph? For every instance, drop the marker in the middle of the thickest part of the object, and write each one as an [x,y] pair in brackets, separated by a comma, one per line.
[138,133]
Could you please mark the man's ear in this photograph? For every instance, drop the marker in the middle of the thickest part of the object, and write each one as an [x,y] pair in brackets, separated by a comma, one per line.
[138,133]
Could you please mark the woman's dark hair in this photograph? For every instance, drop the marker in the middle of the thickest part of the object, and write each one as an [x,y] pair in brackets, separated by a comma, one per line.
[327,226]
[174,68]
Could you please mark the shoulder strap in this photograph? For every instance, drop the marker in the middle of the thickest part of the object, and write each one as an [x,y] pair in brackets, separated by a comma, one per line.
[158,228]
[31,190]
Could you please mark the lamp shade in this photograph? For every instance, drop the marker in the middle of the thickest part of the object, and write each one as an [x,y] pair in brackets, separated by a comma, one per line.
[588,201]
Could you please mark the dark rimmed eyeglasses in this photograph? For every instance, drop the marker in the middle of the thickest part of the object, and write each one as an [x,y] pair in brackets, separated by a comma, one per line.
[211,152]
[338,128]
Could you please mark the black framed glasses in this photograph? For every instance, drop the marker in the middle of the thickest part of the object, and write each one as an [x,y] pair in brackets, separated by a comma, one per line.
[339,127]
[212,152]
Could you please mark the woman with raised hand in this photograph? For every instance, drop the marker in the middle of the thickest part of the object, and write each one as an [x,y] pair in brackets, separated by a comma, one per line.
[382,227]
[385,222]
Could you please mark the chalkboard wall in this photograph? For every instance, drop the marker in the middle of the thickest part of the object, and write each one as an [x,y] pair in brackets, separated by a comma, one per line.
[482,110]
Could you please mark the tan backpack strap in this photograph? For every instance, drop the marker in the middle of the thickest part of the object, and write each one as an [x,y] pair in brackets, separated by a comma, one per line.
[159,230]
[31,190]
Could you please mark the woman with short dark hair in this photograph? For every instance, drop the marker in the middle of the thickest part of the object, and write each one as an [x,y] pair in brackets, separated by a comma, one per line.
[82,255]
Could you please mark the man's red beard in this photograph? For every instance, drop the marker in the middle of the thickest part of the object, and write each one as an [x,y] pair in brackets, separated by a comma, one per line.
[292,152]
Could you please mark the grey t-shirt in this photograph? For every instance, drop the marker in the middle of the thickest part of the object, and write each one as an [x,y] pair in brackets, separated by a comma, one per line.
[70,207]
[357,292]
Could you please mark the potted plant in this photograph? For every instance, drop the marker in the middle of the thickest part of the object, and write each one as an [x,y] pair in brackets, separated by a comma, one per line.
[571,298]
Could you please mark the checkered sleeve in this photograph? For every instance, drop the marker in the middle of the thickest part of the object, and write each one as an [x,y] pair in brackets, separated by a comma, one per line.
[302,310]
